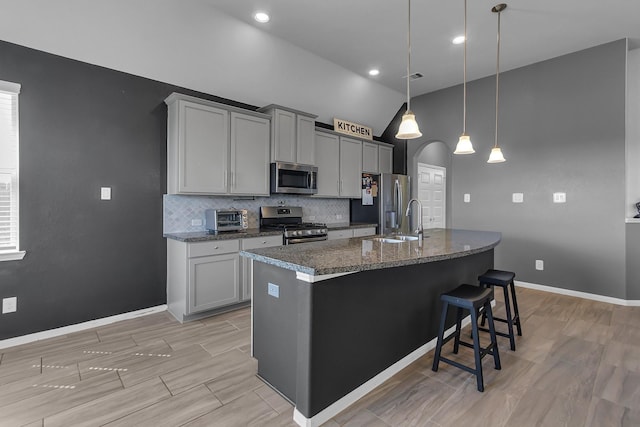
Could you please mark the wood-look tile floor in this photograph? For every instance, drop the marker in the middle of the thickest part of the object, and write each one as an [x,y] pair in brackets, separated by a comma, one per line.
[577,364]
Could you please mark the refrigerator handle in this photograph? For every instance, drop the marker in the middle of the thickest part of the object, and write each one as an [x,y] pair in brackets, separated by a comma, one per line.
[398,201]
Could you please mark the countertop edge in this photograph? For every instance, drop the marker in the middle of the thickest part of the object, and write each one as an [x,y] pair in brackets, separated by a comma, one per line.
[345,226]
[202,236]
[372,266]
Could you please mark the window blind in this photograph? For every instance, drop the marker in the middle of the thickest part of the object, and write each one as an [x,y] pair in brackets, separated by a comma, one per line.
[9,166]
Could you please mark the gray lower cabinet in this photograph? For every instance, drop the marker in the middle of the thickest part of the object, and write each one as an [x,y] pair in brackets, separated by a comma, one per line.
[202,276]
[245,263]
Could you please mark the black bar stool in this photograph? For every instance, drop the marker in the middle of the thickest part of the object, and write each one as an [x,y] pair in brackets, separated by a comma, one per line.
[504,279]
[470,298]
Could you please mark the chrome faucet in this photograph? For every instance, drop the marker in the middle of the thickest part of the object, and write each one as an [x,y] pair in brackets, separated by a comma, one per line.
[418,230]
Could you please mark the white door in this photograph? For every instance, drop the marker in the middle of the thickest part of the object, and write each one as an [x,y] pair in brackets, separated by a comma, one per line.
[432,185]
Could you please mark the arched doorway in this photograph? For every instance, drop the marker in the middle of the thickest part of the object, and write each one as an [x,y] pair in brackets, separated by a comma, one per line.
[428,170]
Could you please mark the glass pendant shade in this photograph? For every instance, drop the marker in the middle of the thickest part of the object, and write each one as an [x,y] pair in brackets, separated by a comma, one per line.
[496,156]
[408,127]
[464,145]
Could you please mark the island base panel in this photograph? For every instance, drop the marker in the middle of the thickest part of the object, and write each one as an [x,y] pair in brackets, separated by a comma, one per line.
[319,341]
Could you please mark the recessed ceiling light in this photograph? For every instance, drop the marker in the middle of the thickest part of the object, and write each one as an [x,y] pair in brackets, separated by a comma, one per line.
[458,40]
[261,17]
[374,72]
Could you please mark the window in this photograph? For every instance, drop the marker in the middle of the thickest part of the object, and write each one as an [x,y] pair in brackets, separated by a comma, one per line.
[9,236]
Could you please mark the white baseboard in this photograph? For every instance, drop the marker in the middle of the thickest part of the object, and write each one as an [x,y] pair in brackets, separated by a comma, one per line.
[579,294]
[51,333]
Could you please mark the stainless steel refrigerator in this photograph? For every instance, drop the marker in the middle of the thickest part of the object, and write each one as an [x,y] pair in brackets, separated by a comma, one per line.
[389,207]
[395,193]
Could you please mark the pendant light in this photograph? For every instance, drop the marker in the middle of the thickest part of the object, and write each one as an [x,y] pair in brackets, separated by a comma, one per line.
[496,153]
[464,143]
[408,127]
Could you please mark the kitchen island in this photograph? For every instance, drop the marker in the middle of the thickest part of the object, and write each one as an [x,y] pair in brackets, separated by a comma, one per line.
[332,320]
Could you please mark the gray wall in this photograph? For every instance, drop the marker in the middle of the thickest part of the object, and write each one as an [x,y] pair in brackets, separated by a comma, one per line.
[633,266]
[562,128]
[83,127]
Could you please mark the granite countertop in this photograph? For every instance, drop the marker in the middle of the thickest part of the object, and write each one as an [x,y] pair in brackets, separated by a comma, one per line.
[203,236]
[348,225]
[363,253]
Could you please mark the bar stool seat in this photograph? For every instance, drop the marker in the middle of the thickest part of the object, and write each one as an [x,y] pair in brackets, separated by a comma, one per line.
[504,279]
[471,298]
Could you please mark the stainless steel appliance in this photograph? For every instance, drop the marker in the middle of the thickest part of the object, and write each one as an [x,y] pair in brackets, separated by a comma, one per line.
[217,220]
[389,206]
[395,192]
[289,220]
[292,178]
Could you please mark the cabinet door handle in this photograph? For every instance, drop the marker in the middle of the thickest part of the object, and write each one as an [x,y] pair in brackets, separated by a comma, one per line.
[233,179]
[225,178]
[216,247]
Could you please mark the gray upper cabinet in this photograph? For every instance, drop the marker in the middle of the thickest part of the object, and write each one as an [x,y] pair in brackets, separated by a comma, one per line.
[305,132]
[350,168]
[292,135]
[215,148]
[370,157]
[328,163]
[385,159]
[249,155]
[197,148]
[339,162]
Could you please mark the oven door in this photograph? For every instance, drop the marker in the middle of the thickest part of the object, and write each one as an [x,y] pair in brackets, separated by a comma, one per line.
[291,178]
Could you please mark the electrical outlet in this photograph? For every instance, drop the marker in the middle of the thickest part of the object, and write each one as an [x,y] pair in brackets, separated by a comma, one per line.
[105,193]
[467,198]
[539,264]
[9,305]
[559,197]
[338,216]
[273,290]
[196,222]
[517,197]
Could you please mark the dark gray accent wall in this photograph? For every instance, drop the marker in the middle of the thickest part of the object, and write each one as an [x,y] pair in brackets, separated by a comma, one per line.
[83,127]
[399,145]
[633,266]
[562,129]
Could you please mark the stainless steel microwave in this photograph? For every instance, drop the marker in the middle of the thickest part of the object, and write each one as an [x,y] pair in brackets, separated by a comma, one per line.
[292,178]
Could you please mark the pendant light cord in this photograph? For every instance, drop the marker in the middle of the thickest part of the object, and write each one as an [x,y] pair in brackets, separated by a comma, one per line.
[408,56]
[464,73]
[497,79]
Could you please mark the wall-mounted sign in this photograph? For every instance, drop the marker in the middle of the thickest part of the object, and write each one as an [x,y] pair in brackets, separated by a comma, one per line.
[352,129]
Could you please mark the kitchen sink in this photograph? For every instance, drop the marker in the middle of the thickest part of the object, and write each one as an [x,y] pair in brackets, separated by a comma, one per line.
[395,238]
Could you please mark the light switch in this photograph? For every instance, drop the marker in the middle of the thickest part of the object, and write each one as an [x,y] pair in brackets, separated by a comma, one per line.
[467,198]
[539,264]
[559,197]
[105,193]
[517,197]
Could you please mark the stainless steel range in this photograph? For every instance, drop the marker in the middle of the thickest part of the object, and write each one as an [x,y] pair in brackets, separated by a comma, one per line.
[289,220]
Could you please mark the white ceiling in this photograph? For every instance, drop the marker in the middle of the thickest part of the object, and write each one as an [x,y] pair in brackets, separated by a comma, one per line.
[361,34]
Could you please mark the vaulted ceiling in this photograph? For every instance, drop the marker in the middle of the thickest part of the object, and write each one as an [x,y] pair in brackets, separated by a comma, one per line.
[362,34]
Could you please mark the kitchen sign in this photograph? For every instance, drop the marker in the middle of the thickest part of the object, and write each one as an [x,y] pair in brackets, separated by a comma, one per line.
[352,129]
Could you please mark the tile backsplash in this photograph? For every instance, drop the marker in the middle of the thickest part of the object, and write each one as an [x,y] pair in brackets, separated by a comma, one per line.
[179,211]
